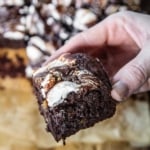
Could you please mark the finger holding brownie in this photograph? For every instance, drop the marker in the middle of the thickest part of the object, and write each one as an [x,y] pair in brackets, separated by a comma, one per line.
[122,42]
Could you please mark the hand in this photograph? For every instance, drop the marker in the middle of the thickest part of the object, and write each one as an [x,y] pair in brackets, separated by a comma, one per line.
[122,42]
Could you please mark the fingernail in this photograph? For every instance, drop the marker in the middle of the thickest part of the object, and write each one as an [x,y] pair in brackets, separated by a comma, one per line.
[120,91]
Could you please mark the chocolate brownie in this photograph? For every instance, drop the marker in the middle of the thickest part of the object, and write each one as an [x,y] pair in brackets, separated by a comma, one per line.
[73,93]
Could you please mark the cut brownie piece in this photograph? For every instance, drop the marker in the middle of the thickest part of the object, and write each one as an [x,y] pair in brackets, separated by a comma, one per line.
[73,93]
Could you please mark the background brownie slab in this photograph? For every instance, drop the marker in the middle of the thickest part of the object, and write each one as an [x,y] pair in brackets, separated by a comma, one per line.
[73,93]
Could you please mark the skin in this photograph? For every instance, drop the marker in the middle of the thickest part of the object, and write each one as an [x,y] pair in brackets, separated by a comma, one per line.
[122,42]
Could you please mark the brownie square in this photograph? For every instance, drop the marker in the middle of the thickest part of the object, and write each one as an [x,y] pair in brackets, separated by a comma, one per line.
[73,93]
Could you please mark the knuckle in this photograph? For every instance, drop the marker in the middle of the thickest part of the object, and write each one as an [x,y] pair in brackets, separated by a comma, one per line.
[138,73]
[134,77]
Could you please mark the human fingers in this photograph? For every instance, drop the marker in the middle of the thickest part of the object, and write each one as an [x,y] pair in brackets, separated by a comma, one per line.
[133,75]
[89,39]
[110,32]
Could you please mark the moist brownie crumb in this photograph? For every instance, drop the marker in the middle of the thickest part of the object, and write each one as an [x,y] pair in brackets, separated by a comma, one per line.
[73,93]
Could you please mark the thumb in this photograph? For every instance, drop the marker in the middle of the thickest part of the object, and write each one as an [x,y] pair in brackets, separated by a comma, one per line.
[133,75]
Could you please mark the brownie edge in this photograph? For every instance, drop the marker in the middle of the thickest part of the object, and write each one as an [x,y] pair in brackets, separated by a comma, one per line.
[73,93]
